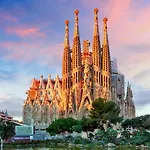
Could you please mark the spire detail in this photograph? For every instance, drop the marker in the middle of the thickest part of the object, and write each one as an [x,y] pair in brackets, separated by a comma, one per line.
[96,30]
[42,85]
[76,28]
[105,41]
[96,48]
[76,49]
[66,40]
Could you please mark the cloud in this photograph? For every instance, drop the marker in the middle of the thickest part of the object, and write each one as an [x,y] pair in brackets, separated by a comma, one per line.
[12,93]
[15,106]
[6,75]
[29,52]
[23,32]
[6,16]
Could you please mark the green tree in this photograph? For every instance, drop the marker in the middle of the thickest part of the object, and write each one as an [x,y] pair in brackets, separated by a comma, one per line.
[140,137]
[103,111]
[111,134]
[126,134]
[7,129]
[61,125]
[88,124]
[138,122]
[77,127]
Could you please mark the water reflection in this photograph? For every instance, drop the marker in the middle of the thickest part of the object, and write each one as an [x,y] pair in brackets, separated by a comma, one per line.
[71,148]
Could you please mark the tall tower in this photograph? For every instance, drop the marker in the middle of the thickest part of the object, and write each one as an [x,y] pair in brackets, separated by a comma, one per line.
[129,104]
[106,64]
[96,58]
[76,62]
[66,69]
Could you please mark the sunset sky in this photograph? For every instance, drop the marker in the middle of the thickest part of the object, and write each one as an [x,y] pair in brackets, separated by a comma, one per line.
[32,35]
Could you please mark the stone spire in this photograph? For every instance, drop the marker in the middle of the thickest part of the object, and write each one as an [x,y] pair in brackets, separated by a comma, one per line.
[129,91]
[105,41]
[41,85]
[96,49]
[76,28]
[66,64]
[106,64]
[66,40]
[33,84]
[96,30]
[76,51]
[66,69]
[96,58]
[76,62]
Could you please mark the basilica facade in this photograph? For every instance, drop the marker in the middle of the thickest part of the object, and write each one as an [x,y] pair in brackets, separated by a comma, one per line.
[86,75]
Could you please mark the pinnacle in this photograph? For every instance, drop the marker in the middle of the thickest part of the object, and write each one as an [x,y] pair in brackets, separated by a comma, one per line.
[105,20]
[76,12]
[66,22]
[96,10]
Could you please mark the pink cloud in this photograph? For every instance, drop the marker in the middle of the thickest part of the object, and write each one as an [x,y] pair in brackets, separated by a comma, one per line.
[10,18]
[46,54]
[127,23]
[23,32]
[128,31]
[5,15]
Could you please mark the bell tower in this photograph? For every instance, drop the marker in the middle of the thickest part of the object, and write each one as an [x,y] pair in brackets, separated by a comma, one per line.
[66,69]
[106,64]
[96,58]
[76,62]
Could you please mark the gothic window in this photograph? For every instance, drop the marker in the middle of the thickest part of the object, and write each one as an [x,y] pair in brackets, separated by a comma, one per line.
[76,77]
[101,79]
[66,83]
[97,76]
[57,93]
[41,92]
[49,92]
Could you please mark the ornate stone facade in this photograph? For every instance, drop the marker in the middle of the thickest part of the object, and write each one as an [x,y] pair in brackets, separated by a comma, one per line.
[86,76]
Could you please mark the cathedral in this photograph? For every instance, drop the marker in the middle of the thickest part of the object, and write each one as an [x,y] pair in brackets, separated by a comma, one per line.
[87,74]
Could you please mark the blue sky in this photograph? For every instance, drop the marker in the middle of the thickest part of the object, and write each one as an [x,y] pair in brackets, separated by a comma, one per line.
[32,35]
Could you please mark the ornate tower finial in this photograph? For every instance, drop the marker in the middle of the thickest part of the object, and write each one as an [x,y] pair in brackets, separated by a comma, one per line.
[76,12]
[66,40]
[41,85]
[76,29]
[57,76]
[96,10]
[105,41]
[66,22]
[96,30]
[105,20]
[49,78]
